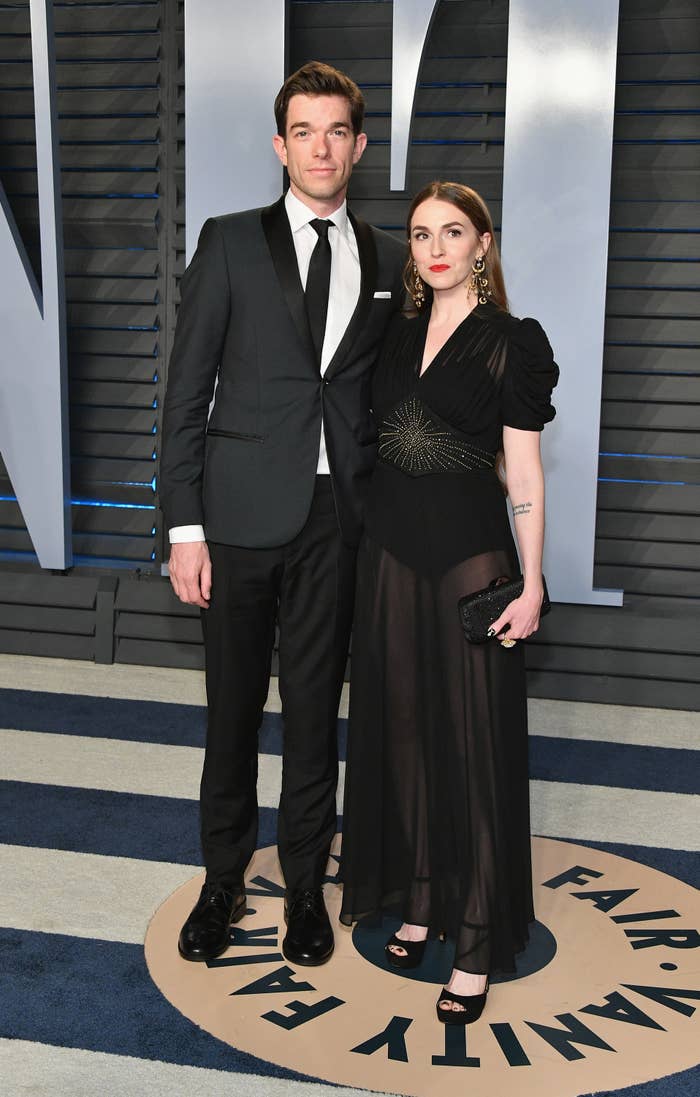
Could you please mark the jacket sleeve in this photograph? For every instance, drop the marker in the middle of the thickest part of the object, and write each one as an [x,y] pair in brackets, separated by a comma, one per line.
[200,332]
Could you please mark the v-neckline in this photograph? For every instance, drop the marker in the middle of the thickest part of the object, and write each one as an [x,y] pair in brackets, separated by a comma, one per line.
[420,372]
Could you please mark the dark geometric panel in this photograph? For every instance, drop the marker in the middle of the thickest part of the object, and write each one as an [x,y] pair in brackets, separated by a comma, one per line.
[563,658]
[124,233]
[108,75]
[144,626]
[41,590]
[92,367]
[658,416]
[615,689]
[638,495]
[95,521]
[675,360]
[663,582]
[52,619]
[17,131]
[652,554]
[157,653]
[677,470]
[651,391]
[678,529]
[53,645]
[656,443]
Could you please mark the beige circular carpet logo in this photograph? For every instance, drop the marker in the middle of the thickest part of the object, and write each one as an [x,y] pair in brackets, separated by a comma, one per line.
[607,993]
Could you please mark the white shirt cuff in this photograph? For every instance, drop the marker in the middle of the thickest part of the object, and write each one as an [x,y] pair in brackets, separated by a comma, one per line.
[180,534]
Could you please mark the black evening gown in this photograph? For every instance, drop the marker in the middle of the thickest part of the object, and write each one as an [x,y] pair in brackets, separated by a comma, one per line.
[436,815]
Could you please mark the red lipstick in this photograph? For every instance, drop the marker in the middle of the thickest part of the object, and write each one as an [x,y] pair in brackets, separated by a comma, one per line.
[439,267]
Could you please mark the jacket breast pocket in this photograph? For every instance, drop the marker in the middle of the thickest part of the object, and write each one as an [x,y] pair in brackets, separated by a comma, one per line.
[217,432]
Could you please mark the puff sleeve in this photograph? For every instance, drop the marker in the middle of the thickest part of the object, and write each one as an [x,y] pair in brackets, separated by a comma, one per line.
[529,376]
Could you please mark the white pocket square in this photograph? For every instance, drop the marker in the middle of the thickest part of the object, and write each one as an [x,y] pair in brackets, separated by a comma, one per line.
[385,294]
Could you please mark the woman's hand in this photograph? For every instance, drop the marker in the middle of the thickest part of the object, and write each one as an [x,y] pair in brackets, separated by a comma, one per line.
[522,615]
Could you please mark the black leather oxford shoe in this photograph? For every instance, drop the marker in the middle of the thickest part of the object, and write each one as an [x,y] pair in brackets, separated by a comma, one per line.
[205,934]
[309,939]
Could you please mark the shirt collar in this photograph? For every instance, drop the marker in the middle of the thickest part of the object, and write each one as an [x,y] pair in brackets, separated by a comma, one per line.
[300,215]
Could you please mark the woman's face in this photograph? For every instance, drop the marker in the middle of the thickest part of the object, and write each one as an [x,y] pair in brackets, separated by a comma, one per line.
[444,244]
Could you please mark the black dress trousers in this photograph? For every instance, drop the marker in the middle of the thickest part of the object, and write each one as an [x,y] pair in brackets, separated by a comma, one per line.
[307,586]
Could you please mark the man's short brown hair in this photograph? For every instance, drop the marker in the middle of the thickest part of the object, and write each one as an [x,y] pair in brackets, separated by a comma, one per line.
[316,78]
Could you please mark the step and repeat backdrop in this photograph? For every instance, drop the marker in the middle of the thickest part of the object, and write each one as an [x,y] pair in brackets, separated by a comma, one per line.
[598,129]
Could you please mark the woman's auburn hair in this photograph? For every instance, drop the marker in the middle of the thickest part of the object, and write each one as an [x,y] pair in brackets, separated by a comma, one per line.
[472,205]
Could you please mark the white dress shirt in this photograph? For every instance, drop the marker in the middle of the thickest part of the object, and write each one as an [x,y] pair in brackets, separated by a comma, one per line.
[343,295]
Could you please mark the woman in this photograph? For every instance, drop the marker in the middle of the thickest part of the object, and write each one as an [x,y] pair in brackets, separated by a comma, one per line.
[436,815]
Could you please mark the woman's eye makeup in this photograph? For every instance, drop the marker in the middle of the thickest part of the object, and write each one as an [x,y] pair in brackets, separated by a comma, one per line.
[420,234]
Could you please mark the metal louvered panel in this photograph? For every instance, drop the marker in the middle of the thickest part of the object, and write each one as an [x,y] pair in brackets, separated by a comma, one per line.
[648,533]
[649,504]
[109,105]
[460,100]
[123,263]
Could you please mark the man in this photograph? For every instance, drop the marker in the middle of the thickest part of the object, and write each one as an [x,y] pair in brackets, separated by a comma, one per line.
[283,310]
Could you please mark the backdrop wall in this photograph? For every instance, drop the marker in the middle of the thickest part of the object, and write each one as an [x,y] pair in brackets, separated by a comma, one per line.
[120,98]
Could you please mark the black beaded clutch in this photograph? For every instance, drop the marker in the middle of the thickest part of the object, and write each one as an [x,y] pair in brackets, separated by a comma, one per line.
[478,611]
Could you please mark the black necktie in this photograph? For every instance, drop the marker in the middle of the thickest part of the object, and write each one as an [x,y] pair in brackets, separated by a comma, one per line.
[317,284]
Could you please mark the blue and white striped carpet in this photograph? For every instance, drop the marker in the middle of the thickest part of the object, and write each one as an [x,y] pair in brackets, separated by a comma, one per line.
[99,824]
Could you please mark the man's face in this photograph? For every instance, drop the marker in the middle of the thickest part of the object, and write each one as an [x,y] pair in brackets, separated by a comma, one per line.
[319,148]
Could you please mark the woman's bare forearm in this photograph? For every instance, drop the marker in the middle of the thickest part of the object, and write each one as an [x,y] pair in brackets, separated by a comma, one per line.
[525,482]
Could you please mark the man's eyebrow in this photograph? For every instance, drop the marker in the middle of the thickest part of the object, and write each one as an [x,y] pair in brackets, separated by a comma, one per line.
[308,126]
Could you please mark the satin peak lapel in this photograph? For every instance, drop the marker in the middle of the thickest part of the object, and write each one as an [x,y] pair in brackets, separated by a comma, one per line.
[367,251]
[279,240]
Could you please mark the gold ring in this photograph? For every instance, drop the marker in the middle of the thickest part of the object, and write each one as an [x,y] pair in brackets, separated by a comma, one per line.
[507,643]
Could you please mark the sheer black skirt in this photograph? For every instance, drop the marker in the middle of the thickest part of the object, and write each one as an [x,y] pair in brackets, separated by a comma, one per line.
[436,816]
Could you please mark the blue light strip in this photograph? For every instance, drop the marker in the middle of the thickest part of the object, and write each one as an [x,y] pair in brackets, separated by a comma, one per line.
[96,87]
[446,141]
[116,506]
[651,456]
[115,327]
[658,230]
[664,483]
[441,113]
[656,141]
[93,503]
[85,170]
[122,562]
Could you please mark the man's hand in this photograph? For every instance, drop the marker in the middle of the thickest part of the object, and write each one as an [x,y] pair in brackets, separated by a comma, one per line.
[190,572]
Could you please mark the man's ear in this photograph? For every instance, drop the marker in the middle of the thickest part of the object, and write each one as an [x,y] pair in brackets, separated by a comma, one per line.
[280,147]
[360,146]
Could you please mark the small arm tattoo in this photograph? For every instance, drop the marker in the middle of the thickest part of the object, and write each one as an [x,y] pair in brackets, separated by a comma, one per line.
[521,508]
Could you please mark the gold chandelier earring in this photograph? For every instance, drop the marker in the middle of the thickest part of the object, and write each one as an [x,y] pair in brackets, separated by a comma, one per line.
[417,288]
[479,283]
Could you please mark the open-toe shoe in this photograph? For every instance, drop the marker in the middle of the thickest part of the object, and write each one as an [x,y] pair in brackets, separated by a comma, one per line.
[472,1007]
[414,952]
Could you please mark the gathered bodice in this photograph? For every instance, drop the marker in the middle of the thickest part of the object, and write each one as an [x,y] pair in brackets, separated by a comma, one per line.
[493,371]
[435,497]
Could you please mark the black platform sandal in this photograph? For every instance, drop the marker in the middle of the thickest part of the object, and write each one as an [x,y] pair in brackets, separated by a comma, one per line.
[472,1007]
[414,952]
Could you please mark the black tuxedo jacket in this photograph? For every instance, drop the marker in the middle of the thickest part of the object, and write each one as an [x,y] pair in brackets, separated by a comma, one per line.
[247,475]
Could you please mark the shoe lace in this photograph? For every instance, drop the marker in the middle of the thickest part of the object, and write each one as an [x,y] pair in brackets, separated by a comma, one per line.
[303,902]
[212,892]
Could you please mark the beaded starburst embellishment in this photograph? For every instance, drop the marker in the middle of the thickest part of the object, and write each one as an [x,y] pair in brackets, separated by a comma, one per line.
[410,439]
